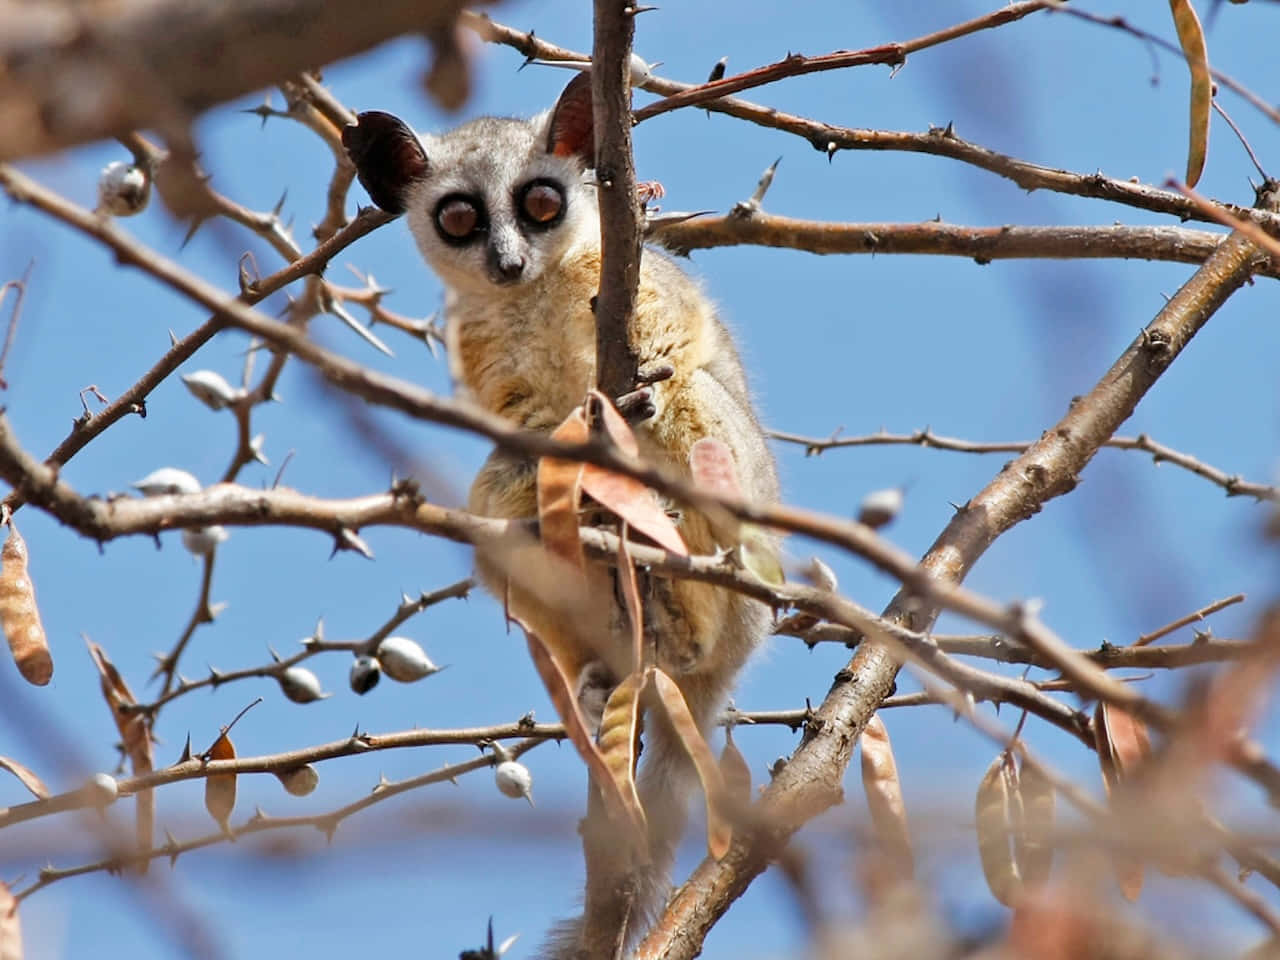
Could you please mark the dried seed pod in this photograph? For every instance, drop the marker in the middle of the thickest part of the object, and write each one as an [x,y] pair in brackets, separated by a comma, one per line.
[514,779]
[404,660]
[26,777]
[821,575]
[1033,841]
[165,481]
[880,507]
[365,674]
[1123,746]
[123,189]
[299,781]
[212,389]
[202,541]
[19,615]
[884,796]
[994,816]
[734,769]
[301,685]
[220,788]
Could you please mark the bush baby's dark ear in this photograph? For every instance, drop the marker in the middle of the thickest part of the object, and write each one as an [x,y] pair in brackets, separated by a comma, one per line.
[387,155]
[571,130]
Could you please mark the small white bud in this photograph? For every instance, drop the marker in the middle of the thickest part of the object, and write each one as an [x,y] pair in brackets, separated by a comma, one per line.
[403,660]
[879,507]
[514,779]
[301,685]
[123,189]
[820,575]
[211,389]
[167,480]
[365,674]
[102,789]
[299,781]
[202,541]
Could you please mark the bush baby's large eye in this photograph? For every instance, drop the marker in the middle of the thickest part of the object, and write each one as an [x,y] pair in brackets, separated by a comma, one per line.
[542,203]
[457,218]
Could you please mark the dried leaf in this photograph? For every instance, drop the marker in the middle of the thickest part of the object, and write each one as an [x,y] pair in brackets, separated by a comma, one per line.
[1033,839]
[993,816]
[19,615]
[135,733]
[1191,36]
[616,426]
[719,829]
[220,788]
[10,928]
[1123,746]
[27,778]
[884,795]
[560,690]
[734,770]
[618,735]
[559,493]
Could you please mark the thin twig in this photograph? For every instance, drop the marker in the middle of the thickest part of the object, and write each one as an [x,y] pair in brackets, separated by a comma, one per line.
[1233,484]
[1194,617]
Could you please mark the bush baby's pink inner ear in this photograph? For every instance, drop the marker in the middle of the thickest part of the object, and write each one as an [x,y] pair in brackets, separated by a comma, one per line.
[387,157]
[571,132]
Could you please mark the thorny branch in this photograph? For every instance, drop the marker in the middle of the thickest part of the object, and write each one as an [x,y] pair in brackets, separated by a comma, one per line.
[938,141]
[1233,484]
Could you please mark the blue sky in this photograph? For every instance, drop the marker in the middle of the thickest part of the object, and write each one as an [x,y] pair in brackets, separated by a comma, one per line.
[983,352]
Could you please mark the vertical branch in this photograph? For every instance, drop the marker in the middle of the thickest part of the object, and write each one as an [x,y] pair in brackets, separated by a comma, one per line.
[620,234]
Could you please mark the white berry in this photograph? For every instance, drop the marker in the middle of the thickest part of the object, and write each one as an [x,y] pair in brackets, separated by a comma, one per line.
[123,189]
[514,779]
[403,660]
[167,480]
[301,685]
[365,674]
[202,541]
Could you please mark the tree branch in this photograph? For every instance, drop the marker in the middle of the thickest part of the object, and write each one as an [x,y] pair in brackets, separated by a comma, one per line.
[156,64]
[983,244]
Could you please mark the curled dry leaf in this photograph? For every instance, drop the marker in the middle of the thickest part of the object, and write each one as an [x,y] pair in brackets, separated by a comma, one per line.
[618,736]
[135,733]
[734,770]
[19,615]
[559,493]
[1123,746]
[25,777]
[220,788]
[719,829]
[1191,37]
[620,806]
[884,796]
[10,927]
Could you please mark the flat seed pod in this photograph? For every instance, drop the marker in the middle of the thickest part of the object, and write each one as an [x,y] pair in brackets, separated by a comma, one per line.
[1191,37]
[1033,840]
[1123,746]
[719,829]
[735,771]
[561,691]
[884,795]
[993,818]
[617,739]
[19,615]
[220,788]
